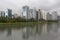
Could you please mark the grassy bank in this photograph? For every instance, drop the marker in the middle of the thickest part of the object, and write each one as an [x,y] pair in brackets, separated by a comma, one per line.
[27,23]
[21,24]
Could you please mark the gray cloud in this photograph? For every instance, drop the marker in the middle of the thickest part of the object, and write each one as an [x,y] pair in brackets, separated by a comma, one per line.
[42,4]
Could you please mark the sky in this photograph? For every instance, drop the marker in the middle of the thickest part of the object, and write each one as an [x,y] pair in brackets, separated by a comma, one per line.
[38,4]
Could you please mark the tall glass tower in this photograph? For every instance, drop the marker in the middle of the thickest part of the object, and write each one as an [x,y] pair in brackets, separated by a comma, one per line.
[9,13]
[25,12]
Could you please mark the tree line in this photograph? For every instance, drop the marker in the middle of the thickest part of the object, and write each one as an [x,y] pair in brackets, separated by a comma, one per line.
[13,20]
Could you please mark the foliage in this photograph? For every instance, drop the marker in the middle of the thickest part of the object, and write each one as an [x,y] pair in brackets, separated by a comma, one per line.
[19,19]
[13,20]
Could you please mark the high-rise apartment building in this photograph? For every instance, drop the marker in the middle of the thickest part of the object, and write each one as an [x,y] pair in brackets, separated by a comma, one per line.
[31,13]
[54,15]
[39,15]
[2,14]
[43,14]
[49,16]
[34,13]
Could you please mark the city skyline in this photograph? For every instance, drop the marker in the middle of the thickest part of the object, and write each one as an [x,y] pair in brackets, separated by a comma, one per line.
[29,13]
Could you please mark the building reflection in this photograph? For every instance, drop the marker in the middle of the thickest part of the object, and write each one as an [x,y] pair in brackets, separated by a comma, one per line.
[49,27]
[40,29]
[25,32]
[54,27]
[44,29]
[9,32]
[32,31]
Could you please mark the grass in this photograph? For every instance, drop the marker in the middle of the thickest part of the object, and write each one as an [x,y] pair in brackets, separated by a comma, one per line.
[24,23]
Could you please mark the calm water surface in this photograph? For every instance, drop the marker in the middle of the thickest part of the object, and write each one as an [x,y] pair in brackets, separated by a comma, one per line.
[49,31]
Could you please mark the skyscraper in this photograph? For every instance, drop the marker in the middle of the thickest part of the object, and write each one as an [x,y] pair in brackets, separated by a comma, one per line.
[49,16]
[25,12]
[39,14]
[34,13]
[2,14]
[43,14]
[10,13]
[54,15]
[31,13]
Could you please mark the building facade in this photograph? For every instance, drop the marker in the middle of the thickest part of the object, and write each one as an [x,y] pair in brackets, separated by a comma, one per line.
[43,14]
[58,17]
[2,14]
[54,15]
[10,13]
[49,16]
[34,14]
[25,12]
[39,15]
[31,13]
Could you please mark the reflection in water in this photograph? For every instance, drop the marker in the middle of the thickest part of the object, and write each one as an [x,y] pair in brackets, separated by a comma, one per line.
[37,32]
[49,27]
[25,32]
[37,29]
[44,29]
[54,27]
[9,32]
[40,29]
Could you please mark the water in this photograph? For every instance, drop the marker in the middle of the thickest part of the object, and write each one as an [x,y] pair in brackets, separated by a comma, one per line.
[48,31]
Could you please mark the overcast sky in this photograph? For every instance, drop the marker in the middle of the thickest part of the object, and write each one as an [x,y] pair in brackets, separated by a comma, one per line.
[39,4]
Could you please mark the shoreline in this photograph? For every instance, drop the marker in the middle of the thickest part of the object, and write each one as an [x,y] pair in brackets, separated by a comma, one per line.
[21,24]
